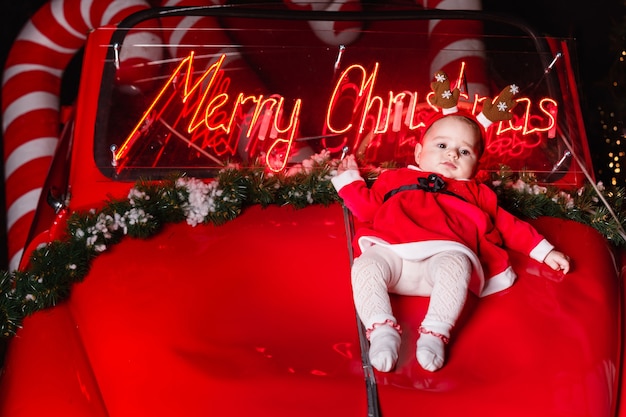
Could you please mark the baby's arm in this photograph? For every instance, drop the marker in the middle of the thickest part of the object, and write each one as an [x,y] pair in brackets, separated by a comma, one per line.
[520,235]
[362,201]
[557,261]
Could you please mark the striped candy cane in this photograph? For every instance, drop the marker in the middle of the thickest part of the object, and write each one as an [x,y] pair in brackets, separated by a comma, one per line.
[181,39]
[456,42]
[331,33]
[215,43]
[30,99]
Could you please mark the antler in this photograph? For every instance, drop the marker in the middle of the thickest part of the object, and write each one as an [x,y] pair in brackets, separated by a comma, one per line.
[499,109]
[496,110]
[444,97]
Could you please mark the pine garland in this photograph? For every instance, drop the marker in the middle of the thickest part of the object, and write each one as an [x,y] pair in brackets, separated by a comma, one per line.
[522,195]
[56,266]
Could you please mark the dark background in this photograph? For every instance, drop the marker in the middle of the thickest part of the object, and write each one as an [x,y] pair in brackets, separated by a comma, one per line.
[597,26]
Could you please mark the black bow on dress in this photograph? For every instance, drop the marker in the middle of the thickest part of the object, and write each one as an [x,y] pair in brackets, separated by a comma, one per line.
[433,184]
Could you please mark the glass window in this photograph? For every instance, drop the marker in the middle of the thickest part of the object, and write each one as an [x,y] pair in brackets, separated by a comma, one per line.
[196,90]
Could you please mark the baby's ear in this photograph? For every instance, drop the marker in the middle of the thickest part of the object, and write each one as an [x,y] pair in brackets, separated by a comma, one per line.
[418,151]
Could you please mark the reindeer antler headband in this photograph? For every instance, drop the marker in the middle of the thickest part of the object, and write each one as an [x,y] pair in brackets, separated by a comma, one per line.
[498,109]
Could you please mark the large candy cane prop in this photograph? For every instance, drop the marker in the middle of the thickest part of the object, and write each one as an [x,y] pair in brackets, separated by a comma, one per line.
[215,43]
[182,39]
[30,98]
[331,33]
[458,45]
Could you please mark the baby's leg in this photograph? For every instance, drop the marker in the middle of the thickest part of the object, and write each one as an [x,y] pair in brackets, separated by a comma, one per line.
[372,274]
[450,273]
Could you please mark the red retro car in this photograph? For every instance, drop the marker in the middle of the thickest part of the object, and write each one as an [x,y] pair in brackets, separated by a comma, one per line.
[188,255]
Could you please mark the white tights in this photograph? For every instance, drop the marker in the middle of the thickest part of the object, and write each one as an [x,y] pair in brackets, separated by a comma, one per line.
[379,271]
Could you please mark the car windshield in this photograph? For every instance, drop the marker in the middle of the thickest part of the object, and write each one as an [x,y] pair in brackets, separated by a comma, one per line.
[217,86]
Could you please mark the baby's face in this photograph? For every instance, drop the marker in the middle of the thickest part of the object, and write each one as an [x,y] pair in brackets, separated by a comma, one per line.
[451,148]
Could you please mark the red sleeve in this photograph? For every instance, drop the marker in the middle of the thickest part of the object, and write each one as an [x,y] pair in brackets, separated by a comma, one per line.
[362,201]
[516,233]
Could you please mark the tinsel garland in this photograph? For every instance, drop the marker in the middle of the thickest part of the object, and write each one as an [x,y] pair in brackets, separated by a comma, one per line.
[54,267]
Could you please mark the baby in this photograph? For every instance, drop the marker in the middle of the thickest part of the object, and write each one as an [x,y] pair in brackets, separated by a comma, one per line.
[432,231]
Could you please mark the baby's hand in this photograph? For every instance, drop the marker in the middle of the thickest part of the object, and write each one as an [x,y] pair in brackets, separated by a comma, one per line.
[557,261]
[348,163]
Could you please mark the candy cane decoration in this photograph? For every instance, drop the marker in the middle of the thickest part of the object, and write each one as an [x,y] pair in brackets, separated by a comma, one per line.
[456,44]
[30,98]
[215,43]
[182,35]
[331,33]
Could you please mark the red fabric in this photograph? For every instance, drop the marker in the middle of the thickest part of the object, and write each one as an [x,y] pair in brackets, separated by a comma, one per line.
[416,215]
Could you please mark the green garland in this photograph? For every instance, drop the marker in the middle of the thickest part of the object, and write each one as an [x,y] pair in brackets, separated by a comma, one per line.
[521,194]
[56,266]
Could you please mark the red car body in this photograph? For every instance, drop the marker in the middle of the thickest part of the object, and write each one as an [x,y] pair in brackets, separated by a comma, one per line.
[255,316]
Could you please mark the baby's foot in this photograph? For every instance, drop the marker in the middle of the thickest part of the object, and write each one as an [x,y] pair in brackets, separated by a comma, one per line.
[384,347]
[430,351]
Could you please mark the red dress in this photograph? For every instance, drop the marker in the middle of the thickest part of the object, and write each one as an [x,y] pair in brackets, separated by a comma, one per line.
[417,223]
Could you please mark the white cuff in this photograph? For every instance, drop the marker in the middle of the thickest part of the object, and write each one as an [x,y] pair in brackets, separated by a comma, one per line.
[542,250]
[482,119]
[449,110]
[345,178]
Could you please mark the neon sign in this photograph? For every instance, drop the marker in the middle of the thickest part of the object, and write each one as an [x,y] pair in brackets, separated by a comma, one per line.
[202,111]
[210,102]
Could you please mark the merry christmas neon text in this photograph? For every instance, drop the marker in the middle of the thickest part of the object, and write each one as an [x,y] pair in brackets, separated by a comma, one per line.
[215,122]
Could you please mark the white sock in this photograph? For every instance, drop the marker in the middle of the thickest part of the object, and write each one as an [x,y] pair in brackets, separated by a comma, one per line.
[430,352]
[371,274]
[451,272]
[384,347]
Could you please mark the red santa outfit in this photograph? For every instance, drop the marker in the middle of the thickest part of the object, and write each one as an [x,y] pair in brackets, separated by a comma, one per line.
[432,236]
[418,223]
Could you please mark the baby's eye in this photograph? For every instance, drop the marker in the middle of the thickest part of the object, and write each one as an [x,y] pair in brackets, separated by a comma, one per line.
[441,145]
[465,152]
